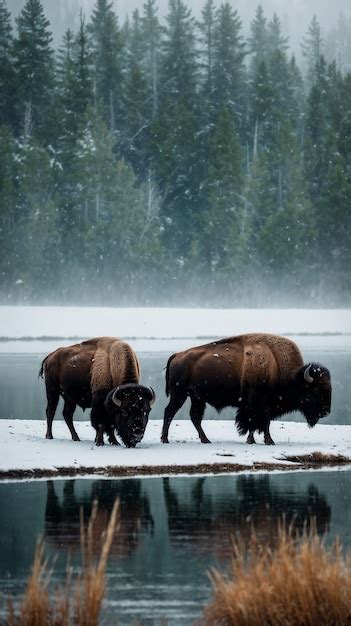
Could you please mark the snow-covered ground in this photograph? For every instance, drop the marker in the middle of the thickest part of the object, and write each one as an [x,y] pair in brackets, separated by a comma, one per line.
[157,323]
[23,445]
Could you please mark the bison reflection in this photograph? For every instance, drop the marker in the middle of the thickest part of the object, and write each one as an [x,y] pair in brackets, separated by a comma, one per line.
[62,515]
[207,521]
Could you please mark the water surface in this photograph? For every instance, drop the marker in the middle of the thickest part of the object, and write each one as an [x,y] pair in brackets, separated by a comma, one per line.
[172,531]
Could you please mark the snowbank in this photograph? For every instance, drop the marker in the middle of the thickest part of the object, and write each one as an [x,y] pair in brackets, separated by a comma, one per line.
[23,446]
[63,322]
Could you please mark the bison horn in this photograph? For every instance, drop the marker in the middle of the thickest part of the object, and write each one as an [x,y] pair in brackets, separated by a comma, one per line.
[153,396]
[308,378]
[115,400]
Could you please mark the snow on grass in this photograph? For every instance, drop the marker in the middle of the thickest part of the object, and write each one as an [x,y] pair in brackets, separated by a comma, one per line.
[24,447]
[61,322]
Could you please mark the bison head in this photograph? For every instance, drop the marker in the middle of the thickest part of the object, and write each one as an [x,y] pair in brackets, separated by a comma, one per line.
[314,392]
[129,406]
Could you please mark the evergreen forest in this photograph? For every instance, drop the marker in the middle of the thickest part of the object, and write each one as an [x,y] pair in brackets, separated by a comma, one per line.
[172,162]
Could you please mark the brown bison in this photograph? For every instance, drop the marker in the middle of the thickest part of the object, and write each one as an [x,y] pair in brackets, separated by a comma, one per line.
[103,374]
[262,375]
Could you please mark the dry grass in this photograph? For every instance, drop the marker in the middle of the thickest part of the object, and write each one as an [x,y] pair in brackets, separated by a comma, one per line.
[300,583]
[78,601]
[318,458]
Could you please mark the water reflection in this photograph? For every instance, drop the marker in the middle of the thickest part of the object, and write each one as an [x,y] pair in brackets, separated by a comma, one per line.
[208,522]
[173,530]
[62,515]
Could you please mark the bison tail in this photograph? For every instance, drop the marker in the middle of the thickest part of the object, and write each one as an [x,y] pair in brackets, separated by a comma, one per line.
[242,422]
[167,372]
[41,371]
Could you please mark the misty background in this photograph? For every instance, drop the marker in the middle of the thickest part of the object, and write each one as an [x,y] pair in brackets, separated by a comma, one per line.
[159,153]
[294,14]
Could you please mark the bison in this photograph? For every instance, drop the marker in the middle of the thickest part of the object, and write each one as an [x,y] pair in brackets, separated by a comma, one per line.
[262,375]
[101,373]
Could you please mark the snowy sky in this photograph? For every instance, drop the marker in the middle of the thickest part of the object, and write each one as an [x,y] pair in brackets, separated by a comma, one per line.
[294,13]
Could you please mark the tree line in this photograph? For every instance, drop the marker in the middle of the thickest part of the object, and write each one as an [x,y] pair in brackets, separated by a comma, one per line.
[153,162]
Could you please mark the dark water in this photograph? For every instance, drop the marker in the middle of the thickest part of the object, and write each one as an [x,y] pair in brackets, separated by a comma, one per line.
[172,531]
[22,395]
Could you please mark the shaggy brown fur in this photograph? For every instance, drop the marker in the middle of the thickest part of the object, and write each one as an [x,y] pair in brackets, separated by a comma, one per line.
[114,364]
[83,374]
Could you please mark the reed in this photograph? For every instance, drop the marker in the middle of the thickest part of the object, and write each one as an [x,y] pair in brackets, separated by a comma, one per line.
[299,583]
[79,600]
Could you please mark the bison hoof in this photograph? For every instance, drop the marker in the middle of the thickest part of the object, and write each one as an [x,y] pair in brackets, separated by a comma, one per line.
[269,442]
[250,439]
[205,440]
[164,440]
[48,436]
[99,443]
[113,442]
[75,438]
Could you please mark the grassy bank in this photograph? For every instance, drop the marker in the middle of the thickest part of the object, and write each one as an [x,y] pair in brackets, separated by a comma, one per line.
[300,582]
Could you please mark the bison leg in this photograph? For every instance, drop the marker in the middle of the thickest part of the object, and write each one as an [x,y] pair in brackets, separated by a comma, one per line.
[267,437]
[111,437]
[68,410]
[99,439]
[251,438]
[53,396]
[98,416]
[196,413]
[174,405]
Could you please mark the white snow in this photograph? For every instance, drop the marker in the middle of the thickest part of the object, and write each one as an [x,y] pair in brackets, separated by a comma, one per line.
[23,445]
[32,321]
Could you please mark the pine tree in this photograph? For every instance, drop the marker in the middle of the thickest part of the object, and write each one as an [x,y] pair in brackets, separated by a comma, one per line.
[8,85]
[34,69]
[258,41]
[173,132]
[35,242]
[137,121]
[8,172]
[224,226]
[286,235]
[228,83]
[75,89]
[262,103]
[207,30]
[136,45]
[106,55]
[296,106]
[275,39]
[312,50]
[316,149]
[179,63]
[151,36]
[334,197]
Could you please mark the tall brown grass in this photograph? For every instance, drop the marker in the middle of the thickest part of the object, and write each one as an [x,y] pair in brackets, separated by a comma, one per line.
[79,600]
[299,583]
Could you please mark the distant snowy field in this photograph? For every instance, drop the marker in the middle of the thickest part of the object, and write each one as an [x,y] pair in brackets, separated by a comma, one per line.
[23,445]
[167,323]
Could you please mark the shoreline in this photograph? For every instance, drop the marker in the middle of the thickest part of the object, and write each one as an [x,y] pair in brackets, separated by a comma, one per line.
[305,462]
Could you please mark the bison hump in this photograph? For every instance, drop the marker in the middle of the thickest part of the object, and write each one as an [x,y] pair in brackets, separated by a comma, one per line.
[114,365]
[269,359]
[259,364]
